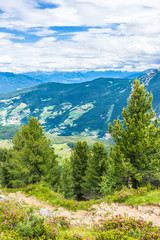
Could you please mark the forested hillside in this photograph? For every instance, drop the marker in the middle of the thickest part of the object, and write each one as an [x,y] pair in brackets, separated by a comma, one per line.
[68,109]
[71,109]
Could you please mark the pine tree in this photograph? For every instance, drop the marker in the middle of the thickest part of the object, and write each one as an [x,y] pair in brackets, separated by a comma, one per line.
[31,158]
[67,180]
[79,158]
[96,168]
[138,137]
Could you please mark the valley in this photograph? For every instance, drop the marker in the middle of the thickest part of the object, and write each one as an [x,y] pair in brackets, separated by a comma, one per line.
[74,109]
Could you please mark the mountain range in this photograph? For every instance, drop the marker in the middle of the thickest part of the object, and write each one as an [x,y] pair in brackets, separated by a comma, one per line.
[10,82]
[80,108]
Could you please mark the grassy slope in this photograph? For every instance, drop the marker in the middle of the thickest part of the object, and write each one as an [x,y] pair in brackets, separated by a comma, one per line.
[138,197]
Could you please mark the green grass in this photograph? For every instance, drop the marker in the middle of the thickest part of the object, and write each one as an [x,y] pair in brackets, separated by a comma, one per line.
[134,197]
[47,195]
[62,151]
[6,144]
[149,198]
[72,140]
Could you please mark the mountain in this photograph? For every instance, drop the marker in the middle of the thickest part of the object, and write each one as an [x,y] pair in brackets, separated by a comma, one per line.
[68,109]
[80,108]
[151,81]
[11,82]
[77,77]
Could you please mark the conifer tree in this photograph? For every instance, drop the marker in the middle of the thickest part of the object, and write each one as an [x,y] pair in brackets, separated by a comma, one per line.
[137,138]
[79,158]
[96,168]
[31,158]
[67,180]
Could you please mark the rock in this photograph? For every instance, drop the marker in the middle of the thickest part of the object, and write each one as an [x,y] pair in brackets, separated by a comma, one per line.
[3,197]
[44,212]
[139,208]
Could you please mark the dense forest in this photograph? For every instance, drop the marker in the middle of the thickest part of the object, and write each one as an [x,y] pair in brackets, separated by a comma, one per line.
[90,174]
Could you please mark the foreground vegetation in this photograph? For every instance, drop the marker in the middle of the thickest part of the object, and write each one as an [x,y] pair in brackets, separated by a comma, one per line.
[133,197]
[23,222]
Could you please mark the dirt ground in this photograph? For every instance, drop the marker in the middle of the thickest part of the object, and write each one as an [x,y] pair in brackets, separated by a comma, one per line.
[99,211]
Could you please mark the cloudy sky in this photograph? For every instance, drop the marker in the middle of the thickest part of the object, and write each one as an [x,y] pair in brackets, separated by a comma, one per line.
[79,35]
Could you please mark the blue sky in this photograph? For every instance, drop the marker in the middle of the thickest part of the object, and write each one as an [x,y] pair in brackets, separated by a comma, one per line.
[79,35]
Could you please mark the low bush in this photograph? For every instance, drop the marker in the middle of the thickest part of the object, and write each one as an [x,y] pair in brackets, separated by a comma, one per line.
[17,222]
[126,228]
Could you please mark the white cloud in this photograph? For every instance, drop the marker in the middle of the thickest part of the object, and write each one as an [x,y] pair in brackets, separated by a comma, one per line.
[125,35]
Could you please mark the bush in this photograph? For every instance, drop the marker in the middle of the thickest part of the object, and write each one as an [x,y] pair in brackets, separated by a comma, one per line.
[125,193]
[20,223]
[73,237]
[126,228]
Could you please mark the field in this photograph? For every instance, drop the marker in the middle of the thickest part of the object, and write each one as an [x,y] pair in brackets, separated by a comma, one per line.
[7,144]
[71,140]
[62,151]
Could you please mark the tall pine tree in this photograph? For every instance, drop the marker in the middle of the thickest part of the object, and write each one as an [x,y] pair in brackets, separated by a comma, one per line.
[31,158]
[96,168]
[67,181]
[137,138]
[79,158]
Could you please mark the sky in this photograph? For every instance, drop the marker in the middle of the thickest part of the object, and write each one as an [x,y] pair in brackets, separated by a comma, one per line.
[79,35]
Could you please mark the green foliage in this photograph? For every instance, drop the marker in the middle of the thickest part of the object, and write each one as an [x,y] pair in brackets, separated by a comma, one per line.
[31,158]
[73,237]
[125,193]
[137,140]
[67,180]
[17,222]
[126,228]
[96,168]
[109,179]
[45,194]
[79,158]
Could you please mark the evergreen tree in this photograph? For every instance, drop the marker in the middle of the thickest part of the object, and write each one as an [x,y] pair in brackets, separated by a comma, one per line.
[67,180]
[31,158]
[96,168]
[79,158]
[137,138]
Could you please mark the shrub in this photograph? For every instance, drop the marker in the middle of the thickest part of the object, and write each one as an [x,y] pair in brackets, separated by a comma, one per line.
[17,222]
[125,193]
[126,228]
[73,237]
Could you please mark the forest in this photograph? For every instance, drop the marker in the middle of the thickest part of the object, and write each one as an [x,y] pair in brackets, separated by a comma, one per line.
[90,173]
[128,173]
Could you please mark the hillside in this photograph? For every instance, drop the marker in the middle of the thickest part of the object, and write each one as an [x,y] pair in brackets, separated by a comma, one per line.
[70,109]
[10,82]
[77,77]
